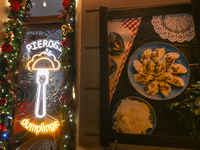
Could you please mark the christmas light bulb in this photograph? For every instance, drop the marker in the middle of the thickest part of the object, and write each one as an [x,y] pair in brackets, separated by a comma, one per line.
[73,93]
[5,135]
[44,4]
[9,117]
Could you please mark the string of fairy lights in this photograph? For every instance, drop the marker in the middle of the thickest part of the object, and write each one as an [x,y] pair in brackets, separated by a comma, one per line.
[10,50]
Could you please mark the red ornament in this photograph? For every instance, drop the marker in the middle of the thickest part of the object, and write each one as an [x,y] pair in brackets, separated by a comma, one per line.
[9,75]
[2,128]
[67,100]
[66,42]
[63,97]
[14,5]
[6,47]
[39,36]
[66,3]
[29,40]
[2,101]
[24,84]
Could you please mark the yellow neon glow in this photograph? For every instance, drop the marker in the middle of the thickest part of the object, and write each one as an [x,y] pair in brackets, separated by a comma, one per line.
[41,59]
[31,65]
[39,129]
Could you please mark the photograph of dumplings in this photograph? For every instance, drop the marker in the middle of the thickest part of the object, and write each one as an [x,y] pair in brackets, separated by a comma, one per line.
[157,70]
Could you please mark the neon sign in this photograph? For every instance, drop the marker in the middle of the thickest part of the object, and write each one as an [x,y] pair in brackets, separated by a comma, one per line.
[42,78]
[44,43]
[33,63]
[43,64]
[42,128]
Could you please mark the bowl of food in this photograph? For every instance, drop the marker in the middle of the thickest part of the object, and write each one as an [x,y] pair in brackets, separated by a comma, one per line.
[115,44]
[133,115]
[112,68]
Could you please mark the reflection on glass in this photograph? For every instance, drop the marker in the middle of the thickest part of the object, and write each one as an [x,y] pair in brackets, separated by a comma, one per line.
[45,7]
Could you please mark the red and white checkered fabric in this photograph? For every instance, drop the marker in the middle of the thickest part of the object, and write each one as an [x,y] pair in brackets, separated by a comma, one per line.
[133,25]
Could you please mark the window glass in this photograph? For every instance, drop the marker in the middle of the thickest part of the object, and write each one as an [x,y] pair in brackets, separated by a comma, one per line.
[38,44]
[45,7]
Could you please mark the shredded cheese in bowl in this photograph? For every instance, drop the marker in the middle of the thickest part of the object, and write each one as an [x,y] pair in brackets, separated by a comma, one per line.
[132,117]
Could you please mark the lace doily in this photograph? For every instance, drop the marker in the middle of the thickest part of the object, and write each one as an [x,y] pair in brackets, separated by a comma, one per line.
[175,27]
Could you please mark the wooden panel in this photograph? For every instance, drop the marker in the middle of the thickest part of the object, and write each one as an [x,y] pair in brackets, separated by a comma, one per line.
[104,82]
[91,60]
[42,23]
[42,20]
[196,16]
[140,12]
[156,140]
[36,27]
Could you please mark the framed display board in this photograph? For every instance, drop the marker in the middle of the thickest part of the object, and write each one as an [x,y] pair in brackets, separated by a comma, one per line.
[149,76]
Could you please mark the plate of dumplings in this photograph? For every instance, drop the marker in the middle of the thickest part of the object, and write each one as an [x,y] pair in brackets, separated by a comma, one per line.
[158,71]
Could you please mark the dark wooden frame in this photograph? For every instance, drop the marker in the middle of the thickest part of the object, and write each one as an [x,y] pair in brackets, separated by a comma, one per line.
[42,23]
[33,24]
[106,137]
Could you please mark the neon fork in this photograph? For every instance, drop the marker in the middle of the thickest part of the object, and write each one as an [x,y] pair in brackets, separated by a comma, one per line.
[42,80]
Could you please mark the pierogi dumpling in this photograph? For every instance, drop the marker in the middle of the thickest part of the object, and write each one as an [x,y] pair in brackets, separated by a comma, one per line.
[146,56]
[144,79]
[165,88]
[150,67]
[177,69]
[175,80]
[170,58]
[164,76]
[152,88]
[158,54]
[160,67]
[138,67]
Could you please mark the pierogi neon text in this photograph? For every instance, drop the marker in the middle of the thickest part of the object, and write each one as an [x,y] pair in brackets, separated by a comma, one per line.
[43,43]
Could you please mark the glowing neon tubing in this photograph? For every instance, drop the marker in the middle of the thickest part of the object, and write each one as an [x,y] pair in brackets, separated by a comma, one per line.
[43,72]
[41,90]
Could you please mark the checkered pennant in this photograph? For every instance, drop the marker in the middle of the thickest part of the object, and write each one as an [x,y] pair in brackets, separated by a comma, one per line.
[133,25]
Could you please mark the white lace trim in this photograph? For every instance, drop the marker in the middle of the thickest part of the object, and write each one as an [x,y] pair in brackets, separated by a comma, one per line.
[175,27]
